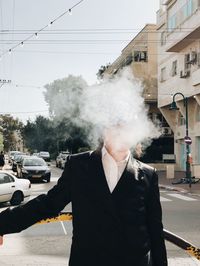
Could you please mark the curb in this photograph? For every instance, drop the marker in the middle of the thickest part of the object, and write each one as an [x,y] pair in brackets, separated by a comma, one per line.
[178,189]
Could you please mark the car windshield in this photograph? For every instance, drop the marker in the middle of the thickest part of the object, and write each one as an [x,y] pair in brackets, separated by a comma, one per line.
[18,156]
[34,162]
[12,153]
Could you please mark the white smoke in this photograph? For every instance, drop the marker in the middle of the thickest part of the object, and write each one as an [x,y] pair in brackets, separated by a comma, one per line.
[115,102]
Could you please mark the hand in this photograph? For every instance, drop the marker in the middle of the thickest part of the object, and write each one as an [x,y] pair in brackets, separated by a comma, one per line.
[1,240]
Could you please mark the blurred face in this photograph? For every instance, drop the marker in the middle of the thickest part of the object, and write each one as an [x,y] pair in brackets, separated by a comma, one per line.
[118,138]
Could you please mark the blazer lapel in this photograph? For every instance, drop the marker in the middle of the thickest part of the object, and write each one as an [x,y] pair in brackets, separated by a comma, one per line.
[99,188]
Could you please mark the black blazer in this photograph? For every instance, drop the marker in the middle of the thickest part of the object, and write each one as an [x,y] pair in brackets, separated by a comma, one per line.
[104,233]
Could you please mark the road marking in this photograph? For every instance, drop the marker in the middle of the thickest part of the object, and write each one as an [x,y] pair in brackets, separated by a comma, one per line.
[164,199]
[65,232]
[178,196]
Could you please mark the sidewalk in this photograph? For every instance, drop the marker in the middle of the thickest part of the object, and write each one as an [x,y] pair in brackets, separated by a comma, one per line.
[53,251]
[184,188]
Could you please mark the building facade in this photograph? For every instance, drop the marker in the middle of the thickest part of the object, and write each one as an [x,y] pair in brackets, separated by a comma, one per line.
[178,30]
[141,56]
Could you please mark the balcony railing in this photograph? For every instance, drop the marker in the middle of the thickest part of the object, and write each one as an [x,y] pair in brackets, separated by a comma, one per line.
[182,14]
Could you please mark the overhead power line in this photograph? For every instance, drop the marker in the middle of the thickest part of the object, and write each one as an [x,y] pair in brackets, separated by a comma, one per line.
[35,34]
[95,30]
[24,112]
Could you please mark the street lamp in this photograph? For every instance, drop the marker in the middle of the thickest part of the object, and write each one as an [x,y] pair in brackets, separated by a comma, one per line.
[187,139]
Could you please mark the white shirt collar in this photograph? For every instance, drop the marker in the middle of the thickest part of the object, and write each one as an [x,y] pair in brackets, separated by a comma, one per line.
[105,152]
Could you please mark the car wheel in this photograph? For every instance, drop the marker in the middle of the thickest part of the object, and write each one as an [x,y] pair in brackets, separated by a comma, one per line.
[17,198]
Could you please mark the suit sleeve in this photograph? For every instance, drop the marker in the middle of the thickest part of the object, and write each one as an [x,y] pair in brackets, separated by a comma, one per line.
[154,217]
[44,206]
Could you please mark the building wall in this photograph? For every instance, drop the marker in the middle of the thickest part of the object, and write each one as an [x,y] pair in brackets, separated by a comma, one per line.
[145,68]
[175,42]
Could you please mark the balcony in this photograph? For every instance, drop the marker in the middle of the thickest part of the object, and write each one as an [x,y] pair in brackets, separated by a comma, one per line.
[184,40]
[184,26]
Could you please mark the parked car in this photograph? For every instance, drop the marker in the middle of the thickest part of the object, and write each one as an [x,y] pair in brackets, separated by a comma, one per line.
[33,167]
[11,155]
[13,189]
[35,154]
[44,155]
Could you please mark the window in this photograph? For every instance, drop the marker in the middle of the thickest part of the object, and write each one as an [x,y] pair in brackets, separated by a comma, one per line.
[174,68]
[172,22]
[187,65]
[183,13]
[182,121]
[163,74]
[4,178]
[198,114]
[140,56]
[163,38]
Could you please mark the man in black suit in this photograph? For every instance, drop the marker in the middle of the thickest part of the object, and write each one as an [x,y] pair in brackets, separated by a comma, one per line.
[115,204]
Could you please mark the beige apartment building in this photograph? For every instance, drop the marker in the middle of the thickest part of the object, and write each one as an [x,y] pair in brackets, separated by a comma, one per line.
[141,56]
[178,30]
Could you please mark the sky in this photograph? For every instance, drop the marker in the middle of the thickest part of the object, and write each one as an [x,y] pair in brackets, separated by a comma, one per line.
[78,43]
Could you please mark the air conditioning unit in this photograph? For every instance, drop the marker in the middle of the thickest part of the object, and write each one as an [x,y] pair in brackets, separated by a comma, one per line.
[166,131]
[184,74]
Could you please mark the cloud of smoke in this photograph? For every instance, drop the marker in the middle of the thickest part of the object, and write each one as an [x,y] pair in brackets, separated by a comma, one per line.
[118,102]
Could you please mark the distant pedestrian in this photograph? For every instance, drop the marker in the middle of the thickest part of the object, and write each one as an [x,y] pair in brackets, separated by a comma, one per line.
[2,160]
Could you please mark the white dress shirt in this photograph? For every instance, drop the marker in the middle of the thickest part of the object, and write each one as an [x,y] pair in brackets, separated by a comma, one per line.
[113,170]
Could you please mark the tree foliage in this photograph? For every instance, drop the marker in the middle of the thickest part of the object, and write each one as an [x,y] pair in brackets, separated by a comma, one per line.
[101,70]
[63,96]
[63,130]
[11,130]
[45,134]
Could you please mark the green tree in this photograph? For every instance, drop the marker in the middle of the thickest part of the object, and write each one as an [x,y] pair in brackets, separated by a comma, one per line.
[11,130]
[63,130]
[101,70]
[63,96]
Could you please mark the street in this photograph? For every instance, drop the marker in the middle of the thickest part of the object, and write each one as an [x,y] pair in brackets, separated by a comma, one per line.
[49,244]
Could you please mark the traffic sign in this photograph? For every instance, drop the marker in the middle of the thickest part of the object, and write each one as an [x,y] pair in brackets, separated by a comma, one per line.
[188,140]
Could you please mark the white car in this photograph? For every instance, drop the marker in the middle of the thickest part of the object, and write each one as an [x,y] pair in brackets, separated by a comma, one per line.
[13,189]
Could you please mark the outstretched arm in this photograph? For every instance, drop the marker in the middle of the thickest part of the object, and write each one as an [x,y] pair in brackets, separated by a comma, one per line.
[44,206]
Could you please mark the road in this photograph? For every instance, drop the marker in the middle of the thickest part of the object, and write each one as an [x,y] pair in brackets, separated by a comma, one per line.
[50,244]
